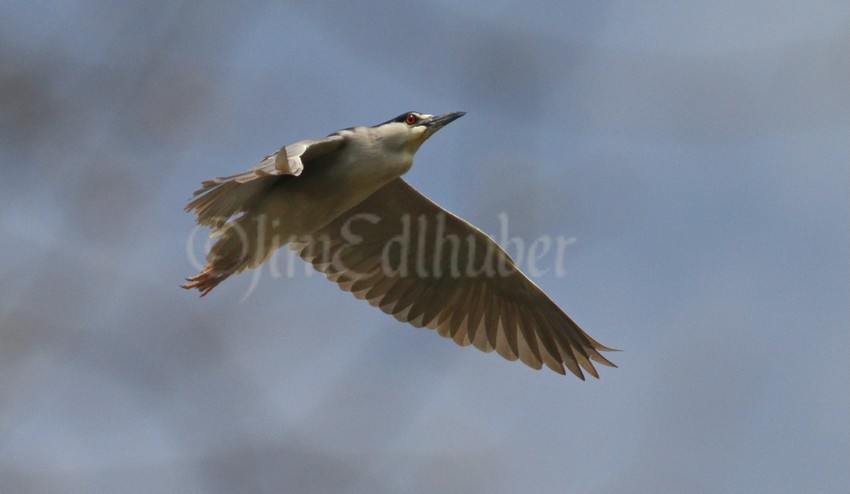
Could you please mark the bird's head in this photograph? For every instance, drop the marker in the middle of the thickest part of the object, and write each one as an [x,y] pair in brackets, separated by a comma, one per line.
[409,130]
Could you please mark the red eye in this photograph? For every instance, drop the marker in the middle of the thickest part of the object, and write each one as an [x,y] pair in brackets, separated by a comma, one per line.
[411,119]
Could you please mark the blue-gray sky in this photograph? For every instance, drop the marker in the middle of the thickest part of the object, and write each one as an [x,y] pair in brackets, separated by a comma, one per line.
[697,154]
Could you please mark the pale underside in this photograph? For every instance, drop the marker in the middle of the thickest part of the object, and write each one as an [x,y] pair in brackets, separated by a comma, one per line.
[469,290]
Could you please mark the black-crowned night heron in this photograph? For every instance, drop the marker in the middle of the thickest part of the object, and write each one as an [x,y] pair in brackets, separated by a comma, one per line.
[341,204]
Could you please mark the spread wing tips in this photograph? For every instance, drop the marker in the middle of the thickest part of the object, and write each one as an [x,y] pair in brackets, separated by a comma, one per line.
[508,314]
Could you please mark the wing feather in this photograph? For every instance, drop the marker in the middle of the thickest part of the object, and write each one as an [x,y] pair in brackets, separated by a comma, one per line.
[223,197]
[456,295]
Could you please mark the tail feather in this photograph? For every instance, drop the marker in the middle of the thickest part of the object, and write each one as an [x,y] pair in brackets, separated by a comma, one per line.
[243,243]
[220,199]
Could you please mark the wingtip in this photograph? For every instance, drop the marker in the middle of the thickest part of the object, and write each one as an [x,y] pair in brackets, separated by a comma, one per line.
[580,375]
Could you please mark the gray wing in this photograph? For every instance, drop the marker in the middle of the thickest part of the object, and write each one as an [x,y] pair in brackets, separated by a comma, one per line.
[467,289]
[221,198]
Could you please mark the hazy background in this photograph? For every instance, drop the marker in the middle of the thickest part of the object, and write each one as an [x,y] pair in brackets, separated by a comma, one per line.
[699,153]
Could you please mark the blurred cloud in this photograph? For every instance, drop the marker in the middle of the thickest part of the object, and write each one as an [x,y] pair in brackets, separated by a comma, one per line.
[697,153]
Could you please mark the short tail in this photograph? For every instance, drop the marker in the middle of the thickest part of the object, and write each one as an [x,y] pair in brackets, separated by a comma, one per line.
[243,243]
[221,198]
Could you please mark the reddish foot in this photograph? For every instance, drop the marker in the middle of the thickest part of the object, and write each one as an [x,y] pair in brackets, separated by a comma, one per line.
[205,281]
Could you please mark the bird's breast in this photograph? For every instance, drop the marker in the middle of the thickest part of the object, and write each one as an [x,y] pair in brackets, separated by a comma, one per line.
[371,168]
[312,200]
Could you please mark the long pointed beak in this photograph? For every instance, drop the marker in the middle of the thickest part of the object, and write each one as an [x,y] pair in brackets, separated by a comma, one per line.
[437,122]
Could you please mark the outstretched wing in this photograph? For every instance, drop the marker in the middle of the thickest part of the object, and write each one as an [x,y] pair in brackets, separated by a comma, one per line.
[223,197]
[425,266]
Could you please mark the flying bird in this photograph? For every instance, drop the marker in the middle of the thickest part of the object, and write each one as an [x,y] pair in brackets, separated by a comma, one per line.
[341,204]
